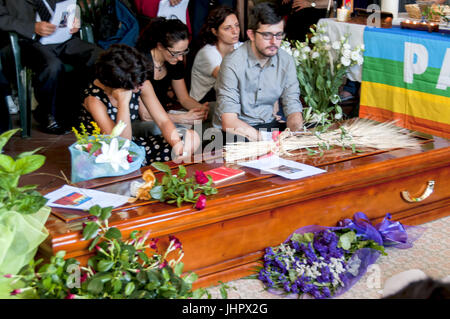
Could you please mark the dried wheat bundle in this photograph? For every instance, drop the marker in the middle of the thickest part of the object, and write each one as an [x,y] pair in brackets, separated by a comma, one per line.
[355,134]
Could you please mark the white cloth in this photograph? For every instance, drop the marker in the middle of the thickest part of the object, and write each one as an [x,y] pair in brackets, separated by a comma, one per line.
[335,30]
[173,12]
[206,60]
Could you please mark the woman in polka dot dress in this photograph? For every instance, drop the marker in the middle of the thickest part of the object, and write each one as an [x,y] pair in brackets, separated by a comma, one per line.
[122,91]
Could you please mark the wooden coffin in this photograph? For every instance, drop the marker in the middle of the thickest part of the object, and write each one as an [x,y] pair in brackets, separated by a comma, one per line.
[225,241]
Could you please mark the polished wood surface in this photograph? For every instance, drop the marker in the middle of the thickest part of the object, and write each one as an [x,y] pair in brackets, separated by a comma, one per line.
[225,241]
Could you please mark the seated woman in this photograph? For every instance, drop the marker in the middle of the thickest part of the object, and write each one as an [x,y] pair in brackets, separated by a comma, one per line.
[165,43]
[122,91]
[218,37]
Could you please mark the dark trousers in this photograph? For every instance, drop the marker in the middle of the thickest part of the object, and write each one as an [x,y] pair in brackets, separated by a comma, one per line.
[58,91]
[4,111]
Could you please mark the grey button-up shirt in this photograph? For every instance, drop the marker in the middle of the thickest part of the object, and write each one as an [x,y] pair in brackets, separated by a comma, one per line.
[249,90]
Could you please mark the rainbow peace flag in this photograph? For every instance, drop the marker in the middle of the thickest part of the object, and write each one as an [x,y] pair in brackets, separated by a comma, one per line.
[406,77]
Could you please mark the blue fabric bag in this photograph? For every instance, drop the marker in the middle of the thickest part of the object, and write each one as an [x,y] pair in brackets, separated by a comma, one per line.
[128,30]
[85,168]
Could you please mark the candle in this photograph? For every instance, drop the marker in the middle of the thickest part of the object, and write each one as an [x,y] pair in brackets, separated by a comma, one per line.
[342,14]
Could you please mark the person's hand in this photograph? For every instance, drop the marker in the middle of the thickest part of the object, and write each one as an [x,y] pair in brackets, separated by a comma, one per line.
[197,114]
[300,4]
[174,2]
[75,26]
[122,96]
[44,28]
[205,108]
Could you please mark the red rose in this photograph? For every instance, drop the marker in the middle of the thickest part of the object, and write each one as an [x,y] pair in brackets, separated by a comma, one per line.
[201,202]
[200,177]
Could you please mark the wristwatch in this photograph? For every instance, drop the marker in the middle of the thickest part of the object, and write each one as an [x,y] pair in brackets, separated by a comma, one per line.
[313,4]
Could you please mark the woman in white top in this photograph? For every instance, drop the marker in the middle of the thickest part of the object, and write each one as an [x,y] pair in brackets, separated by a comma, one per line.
[219,36]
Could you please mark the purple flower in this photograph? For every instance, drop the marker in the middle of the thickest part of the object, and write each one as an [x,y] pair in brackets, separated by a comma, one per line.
[309,253]
[164,264]
[176,242]
[70,296]
[153,243]
[8,276]
[201,202]
[200,177]
[326,292]
[286,286]
[315,292]
[16,292]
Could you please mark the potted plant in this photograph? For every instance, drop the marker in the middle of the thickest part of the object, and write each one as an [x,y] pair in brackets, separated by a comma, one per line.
[23,212]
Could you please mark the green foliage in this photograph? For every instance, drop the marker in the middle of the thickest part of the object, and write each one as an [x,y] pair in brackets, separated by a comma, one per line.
[119,269]
[321,69]
[25,199]
[177,189]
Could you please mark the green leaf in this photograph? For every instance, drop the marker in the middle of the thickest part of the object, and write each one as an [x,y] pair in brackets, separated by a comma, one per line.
[116,284]
[346,240]
[179,201]
[191,278]
[105,213]
[129,288]
[181,171]
[157,192]
[113,233]
[95,286]
[95,147]
[25,154]
[105,265]
[90,231]
[95,210]
[162,167]
[29,164]
[94,242]
[7,163]
[178,270]
[190,194]
[4,137]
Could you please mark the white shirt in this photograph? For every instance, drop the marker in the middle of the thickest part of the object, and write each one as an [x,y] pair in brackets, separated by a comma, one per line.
[206,60]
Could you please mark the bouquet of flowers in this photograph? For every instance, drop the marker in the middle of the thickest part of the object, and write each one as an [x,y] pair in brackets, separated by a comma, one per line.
[324,262]
[321,68]
[97,155]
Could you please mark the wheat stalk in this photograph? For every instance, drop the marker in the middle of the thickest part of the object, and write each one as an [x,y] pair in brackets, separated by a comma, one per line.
[356,134]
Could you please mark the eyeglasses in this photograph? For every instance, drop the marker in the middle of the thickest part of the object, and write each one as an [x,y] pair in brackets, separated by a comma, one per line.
[270,35]
[177,54]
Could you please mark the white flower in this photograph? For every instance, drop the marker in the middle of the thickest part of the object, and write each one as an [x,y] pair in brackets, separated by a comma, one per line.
[306,49]
[118,129]
[327,47]
[346,46]
[361,47]
[112,155]
[345,61]
[336,45]
[315,55]
[346,53]
[355,55]
[338,116]
[303,57]
[360,60]
[314,39]
[295,54]
[325,39]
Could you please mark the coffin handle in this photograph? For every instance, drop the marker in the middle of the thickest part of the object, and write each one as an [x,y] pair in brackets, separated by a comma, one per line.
[428,191]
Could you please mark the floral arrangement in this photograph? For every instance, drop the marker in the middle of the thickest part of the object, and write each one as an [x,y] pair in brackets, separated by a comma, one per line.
[323,262]
[106,148]
[118,268]
[98,155]
[321,68]
[23,212]
[179,188]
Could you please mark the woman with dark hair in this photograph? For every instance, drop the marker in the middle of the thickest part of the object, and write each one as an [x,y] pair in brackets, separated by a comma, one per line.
[165,43]
[219,36]
[122,92]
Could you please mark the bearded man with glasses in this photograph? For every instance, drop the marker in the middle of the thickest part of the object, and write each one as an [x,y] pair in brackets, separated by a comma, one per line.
[254,77]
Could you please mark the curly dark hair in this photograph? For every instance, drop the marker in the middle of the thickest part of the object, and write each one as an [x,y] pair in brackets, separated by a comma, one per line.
[122,66]
[215,19]
[264,13]
[164,31]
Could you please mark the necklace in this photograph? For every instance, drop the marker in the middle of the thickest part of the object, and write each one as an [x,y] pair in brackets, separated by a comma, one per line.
[159,68]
